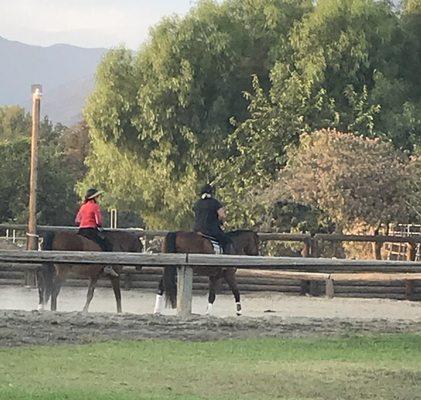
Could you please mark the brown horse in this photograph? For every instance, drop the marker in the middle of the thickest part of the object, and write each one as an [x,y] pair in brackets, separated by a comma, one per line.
[51,277]
[245,243]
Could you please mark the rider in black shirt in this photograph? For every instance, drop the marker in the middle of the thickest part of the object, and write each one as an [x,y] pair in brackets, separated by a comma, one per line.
[209,217]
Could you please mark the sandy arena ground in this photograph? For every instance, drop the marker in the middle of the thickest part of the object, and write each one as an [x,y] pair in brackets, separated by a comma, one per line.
[264,315]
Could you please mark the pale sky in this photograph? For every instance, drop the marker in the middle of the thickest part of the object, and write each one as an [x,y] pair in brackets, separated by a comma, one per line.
[85,23]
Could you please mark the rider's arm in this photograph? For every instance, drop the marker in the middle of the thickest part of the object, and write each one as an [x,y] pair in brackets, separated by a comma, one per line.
[221,214]
[98,216]
[78,218]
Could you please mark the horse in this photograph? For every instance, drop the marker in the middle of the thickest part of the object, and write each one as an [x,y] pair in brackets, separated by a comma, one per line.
[51,277]
[245,243]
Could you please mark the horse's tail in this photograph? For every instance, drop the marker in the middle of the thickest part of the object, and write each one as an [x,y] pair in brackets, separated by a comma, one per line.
[170,273]
[169,243]
[47,243]
[45,273]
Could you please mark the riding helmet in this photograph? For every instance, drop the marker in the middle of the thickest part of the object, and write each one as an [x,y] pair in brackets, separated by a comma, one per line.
[92,193]
[207,189]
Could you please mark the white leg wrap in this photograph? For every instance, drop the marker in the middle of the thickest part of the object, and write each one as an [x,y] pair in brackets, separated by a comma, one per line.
[41,307]
[209,309]
[238,307]
[159,302]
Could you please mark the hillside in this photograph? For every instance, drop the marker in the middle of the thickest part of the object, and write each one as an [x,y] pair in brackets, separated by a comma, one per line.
[66,73]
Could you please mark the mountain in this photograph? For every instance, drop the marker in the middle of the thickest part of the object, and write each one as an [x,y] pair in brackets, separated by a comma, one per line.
[65,72]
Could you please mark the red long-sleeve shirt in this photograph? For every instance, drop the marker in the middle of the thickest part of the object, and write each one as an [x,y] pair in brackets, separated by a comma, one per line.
[89,215]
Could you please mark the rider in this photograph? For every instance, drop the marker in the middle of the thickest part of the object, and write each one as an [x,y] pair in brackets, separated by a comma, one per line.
[210,216]
[89,220]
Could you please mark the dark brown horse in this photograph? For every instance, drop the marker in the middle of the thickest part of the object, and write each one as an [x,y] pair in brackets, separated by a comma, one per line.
[51,277]
[245,243]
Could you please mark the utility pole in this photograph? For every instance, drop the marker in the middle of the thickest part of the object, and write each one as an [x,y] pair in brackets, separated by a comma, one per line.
[32,237]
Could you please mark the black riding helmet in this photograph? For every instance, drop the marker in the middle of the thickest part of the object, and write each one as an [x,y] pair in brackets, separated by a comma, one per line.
[207,189]
[92,193]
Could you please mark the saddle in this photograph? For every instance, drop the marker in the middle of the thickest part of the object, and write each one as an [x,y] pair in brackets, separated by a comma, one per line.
[217,248]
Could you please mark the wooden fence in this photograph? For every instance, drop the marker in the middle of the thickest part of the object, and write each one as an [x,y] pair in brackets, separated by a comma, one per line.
[310,243]
[257,280]
[327,270]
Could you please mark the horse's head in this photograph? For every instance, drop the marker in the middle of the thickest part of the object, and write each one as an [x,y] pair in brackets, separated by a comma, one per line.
[246,242]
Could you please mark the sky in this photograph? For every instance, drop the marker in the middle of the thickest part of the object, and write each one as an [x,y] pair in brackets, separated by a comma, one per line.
[85,23]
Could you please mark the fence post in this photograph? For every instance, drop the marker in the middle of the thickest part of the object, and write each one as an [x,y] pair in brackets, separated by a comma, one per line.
[146,242]
[184,291]
[330,291]
[409,289]
[411,251]
[32,237]
[315,248]
[306,249]
[113,218]
[377,250]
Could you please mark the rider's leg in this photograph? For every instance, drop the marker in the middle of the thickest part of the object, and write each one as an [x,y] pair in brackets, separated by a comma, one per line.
[105,245]
[225,241]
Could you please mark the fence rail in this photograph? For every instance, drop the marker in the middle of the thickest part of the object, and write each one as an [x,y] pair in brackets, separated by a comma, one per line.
[327,270]
[264,236]
[208,260]
[310,243]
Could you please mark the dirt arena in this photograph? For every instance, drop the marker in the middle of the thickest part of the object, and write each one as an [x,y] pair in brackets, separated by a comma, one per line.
[264,315]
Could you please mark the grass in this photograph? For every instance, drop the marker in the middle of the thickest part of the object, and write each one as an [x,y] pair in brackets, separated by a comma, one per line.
[369,367]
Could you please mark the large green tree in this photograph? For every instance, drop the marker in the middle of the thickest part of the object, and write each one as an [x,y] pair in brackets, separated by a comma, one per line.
[219,94]
[348,71]
[165,114]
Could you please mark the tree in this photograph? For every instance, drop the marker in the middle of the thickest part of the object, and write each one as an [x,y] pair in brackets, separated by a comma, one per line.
[351,178]
[346,72]
[168,109]
[56,197]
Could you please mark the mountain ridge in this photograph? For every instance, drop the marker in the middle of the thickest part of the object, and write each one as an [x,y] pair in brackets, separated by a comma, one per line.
[65,71]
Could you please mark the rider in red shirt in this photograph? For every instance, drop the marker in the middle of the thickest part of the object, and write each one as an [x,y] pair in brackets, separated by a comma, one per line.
[89,220]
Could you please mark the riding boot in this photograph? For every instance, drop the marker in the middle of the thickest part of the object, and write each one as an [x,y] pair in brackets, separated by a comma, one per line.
[108,270]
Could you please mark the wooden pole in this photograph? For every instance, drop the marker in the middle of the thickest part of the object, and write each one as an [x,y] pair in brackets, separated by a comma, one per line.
[32,237]
[411,251]
[184,291]
[315,253]
[305,252]
[330,290]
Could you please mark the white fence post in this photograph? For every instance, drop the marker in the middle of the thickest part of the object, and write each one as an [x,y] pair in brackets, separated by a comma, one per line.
[184,291]
[113,218]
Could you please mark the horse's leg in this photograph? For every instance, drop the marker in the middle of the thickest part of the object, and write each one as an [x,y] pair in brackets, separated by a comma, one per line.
[212,293]
[232,283]
[58,280]
[41,289]
[159,301]
[90,294]
[115,282]
[45,276]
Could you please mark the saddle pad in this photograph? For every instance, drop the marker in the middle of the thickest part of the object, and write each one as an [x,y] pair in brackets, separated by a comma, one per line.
[217,248]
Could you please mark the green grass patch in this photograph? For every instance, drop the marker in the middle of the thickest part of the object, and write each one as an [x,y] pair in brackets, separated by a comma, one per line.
[369,367]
